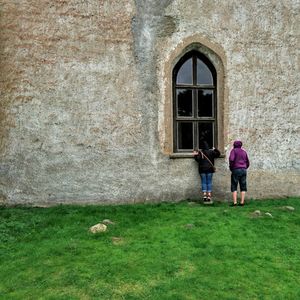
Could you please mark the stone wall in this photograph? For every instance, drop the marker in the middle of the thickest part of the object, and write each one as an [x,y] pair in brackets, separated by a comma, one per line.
[85,97]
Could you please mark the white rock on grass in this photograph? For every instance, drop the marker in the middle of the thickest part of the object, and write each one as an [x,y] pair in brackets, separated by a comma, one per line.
[289,208]
[108,222]
[269,214]
[256,213]
[98,228]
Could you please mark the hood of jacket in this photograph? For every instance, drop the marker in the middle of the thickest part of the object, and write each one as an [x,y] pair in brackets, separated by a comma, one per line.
[237,144]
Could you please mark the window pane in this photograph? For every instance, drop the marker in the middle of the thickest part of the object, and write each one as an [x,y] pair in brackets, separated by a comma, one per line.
[205,103]
[204,75]
[185,135]
[184,103]
[206,133]
[185,73]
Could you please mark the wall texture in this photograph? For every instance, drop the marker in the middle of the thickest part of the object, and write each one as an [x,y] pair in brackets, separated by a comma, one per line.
[85,97]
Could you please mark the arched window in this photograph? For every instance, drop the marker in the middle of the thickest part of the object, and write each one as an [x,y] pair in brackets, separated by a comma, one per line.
[194,102]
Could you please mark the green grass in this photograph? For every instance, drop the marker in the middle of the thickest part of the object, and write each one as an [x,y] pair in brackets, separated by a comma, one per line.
[224,253]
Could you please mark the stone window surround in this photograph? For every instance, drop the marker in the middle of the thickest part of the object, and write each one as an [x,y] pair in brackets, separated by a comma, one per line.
[216,55]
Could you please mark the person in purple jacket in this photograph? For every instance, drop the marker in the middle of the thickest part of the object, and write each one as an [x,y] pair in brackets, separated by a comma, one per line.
[238,165]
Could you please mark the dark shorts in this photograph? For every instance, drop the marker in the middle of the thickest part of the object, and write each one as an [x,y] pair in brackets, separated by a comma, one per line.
[239,176]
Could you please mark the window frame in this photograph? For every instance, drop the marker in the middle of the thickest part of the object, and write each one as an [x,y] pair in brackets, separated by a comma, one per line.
[195,119]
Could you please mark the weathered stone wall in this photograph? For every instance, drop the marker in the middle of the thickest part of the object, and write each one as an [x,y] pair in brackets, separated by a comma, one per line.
[85,94]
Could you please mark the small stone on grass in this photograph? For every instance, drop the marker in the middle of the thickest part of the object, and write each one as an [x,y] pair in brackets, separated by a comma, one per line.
[269,215]
[98,228]
[288,208]
[256,214]
[108,222]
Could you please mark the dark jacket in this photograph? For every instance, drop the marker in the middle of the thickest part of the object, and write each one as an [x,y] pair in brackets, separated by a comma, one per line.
[204,165]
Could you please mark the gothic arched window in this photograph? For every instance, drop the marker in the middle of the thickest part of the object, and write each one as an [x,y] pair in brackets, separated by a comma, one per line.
[194,102]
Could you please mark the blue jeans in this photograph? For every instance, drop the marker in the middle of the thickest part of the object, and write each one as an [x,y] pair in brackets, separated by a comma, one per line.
[206,182]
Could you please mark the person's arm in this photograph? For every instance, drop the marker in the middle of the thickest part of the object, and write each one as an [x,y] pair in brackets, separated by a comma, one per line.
[231,159]
[217,153]
[196,155]
[247,161]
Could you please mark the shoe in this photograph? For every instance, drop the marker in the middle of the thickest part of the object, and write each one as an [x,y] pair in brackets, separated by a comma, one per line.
[241,204]
[233,204]
[208,201]
[204,199]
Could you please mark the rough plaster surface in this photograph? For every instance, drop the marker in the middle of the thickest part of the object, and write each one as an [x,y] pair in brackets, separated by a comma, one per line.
[82,97]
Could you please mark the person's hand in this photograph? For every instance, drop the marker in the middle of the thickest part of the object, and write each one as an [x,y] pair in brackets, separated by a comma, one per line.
[195,152]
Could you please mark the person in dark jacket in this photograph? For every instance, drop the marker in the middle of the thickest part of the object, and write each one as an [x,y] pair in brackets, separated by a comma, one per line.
[206,160]
[238,165]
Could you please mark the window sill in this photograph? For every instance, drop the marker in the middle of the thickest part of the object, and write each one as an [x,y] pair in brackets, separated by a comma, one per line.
[187,155]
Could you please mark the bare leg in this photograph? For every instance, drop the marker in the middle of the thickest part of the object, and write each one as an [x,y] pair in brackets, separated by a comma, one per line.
[234,197]
[243,197]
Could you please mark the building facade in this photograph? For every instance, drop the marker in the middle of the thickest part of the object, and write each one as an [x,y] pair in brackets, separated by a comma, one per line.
[104,101]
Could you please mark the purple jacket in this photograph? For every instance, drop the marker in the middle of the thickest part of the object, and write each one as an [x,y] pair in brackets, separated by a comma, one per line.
[238,158]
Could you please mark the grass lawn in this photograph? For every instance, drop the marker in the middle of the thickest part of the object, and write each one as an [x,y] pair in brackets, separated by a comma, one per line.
[153,251]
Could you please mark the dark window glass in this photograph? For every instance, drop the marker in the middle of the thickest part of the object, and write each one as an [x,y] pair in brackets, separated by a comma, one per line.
[194,107]
[184,103]
[185,73]
[205,103]
[204,75]
[185,135]
[205,131]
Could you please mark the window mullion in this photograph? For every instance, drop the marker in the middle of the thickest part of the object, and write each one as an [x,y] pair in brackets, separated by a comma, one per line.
[196,142]
[215,117]
[194,70]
